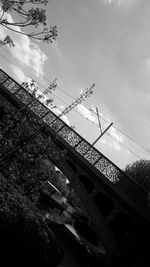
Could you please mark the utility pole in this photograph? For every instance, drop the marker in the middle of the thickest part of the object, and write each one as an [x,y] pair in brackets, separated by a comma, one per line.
[52,87]
[97,113]
[102,132]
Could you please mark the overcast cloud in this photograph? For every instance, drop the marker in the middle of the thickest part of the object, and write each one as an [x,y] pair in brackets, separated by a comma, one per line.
[106,42]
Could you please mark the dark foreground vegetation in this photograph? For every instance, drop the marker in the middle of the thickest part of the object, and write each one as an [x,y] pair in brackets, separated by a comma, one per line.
[26,237]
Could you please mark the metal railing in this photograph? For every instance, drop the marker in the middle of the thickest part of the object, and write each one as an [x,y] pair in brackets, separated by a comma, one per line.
[83,147]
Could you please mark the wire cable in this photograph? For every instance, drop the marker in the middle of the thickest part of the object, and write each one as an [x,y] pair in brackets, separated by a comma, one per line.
[60,99]
[124,146]
[123,133]
[43,76]
[65,92]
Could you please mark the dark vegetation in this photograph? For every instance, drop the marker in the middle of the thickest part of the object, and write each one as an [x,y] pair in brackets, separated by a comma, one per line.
[139,232]
[140,171]
[24,167]
[25,238]
[24,232]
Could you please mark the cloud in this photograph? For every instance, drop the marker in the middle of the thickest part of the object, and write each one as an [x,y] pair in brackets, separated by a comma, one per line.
[118,138]
[113,144]
[116,135]
[64,117]
[58,111]
[61,107]
[103,141]
[116,146]
[86,113]
[19,74]
[112,131]
[123,3]
[25,51]
[21,77]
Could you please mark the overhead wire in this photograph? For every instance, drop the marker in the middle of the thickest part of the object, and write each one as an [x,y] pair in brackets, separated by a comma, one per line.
[60,99]
[123,133]
[133,140]
[128,149]
[65,92]
[37,82]
[42,75]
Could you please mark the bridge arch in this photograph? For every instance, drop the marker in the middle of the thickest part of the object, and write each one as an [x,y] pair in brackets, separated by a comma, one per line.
[72,165]
[88,184]
[104,203]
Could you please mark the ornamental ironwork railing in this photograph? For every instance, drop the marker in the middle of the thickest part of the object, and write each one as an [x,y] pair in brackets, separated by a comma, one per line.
[83,147]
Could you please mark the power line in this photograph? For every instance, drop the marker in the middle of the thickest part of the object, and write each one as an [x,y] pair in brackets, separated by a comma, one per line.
[123,133]
[78,111]
[79,100]
[38,83]
[74,110]
[124,146]
[43,76]
[60,99]
[65,92]
[133,140]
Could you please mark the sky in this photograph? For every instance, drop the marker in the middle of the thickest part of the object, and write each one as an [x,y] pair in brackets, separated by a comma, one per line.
[106,42]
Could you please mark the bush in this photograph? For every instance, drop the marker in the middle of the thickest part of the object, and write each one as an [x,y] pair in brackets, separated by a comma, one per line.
[140,171]
[25,239]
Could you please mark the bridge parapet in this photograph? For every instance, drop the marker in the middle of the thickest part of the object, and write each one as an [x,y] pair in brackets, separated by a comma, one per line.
[118,180]
[116,204]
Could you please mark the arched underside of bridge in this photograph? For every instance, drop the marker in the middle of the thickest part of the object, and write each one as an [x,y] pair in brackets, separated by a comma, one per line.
[120,220]
[117,226]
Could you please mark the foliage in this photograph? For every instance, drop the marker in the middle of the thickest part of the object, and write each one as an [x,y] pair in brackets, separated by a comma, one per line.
[28,161]
[75,201]
[140,171]
[24,233]
[20,180]
[58,179]
[21,154]
[61,183]
[42,96]
[28,14]
[26,153]
[25,164]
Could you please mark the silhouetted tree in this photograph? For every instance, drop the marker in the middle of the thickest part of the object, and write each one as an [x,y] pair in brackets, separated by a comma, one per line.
[28,15]
[140,171]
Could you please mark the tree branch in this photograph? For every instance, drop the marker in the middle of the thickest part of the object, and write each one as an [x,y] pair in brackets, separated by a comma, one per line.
[49,39]
[28,16]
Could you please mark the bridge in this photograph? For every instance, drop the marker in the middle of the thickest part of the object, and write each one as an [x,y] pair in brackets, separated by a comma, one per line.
[115,203]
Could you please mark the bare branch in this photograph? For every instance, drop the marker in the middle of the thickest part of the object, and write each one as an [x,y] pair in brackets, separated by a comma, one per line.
[48,37]
[29,16]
